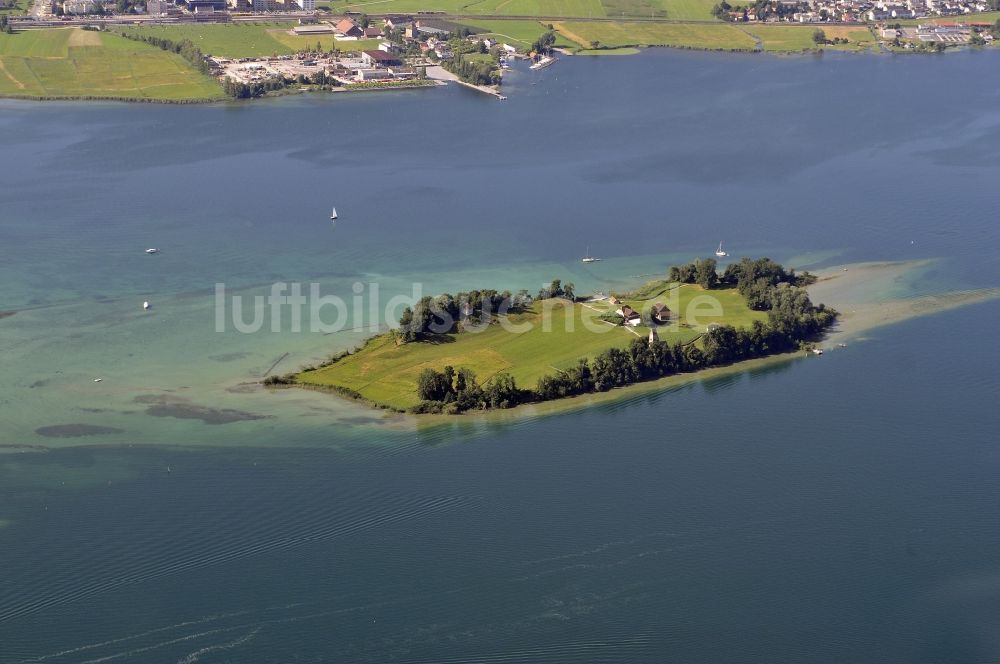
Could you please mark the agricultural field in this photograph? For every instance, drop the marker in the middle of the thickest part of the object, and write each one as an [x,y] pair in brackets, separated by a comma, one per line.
[633,8]
[577,8]
[41,43]
[793,38]
[625,50]
[718,36]
[784,38]
[560,334]
[14,7]
[247,40]
[78,63]
[675,9]
[688,9]
[860,38]
[520,34]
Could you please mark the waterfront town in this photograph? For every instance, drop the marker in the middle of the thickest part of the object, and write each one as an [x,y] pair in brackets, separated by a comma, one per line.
[206,50]
[410,52]
[769,11]
[431,30]
[847,11]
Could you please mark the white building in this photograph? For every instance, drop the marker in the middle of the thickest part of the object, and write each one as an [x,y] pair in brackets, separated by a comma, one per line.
[307,5]
[78,6]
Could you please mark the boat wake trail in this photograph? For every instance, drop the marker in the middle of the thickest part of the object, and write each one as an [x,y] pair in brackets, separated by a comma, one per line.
[196,655]
[124,639]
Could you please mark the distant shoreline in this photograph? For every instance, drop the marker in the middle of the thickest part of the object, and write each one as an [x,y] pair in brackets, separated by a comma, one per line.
[201,82]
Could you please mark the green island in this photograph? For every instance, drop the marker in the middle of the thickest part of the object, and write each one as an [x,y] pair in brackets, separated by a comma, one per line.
[484,349]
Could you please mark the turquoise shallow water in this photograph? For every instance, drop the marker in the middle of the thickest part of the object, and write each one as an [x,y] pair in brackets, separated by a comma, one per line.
[825,510]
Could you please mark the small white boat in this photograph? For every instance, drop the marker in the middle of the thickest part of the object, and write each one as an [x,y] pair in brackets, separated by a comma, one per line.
[147,305]
[333,214]
[98,380]
[152,250]
[590,259]
[720,252]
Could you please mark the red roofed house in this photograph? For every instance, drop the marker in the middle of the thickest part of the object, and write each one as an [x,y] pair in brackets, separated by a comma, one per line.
[629,315]
[348,28]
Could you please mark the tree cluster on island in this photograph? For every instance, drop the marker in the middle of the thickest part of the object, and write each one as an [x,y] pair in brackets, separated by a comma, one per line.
[457,391]
[557,288]
[792,319]
[754,278]
[433,316]
[447,313]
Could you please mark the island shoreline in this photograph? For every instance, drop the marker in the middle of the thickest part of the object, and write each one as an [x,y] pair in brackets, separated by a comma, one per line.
[834,285]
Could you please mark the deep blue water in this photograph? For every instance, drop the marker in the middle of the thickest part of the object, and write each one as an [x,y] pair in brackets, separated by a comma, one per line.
[834,509]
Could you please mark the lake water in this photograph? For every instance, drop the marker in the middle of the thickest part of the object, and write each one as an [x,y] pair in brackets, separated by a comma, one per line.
[830,510]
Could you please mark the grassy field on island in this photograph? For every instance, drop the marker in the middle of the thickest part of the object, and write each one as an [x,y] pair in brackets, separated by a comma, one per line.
[718,36]
[246,40]
[70,62]
[560,334]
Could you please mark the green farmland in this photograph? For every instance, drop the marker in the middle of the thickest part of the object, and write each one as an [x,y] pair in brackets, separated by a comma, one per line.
[74,63]
[712,36]
[520,34]
[791,38]
[709,36]
[246,40]
[674,9]
[560,334]
[471,7]
[15,8]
